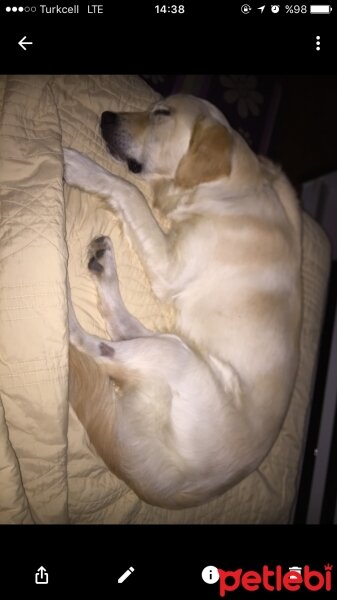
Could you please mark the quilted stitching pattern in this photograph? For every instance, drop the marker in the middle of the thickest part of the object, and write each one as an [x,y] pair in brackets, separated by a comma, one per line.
[33,343]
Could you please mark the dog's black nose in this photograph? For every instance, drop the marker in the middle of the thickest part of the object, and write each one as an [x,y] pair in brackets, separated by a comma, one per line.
[134,166]
[108,118]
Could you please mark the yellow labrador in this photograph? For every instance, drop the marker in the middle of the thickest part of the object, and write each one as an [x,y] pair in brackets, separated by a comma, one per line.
[195,411]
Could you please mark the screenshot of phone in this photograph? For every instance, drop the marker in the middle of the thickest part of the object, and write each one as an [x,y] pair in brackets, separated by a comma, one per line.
[156,268]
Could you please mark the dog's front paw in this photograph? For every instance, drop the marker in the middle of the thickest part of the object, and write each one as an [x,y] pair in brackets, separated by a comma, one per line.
[80,171]
[74,167]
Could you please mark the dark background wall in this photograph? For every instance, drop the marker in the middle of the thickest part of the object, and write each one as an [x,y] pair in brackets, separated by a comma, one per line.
[304,138]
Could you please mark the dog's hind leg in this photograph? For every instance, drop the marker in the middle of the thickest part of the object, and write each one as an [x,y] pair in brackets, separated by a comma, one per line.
[119,322]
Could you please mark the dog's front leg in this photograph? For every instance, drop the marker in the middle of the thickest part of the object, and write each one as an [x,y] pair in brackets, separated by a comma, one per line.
[148,239]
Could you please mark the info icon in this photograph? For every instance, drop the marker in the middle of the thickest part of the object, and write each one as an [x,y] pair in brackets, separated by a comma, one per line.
[210,574]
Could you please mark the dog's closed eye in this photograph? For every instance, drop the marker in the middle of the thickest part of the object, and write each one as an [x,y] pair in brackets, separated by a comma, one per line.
[164,112]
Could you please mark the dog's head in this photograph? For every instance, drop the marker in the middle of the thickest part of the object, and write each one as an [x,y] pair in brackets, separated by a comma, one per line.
[182,138]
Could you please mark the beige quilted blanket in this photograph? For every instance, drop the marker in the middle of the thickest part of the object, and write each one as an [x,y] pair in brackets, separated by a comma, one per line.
[48,471]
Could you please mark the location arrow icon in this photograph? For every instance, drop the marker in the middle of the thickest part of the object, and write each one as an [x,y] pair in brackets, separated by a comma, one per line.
[261,8]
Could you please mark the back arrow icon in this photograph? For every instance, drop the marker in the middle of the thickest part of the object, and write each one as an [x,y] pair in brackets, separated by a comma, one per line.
[22,43]
[261,8]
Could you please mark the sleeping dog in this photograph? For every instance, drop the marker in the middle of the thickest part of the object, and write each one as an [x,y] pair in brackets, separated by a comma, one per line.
[183,416]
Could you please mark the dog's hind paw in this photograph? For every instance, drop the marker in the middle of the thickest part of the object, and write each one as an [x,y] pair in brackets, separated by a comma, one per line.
[101,257]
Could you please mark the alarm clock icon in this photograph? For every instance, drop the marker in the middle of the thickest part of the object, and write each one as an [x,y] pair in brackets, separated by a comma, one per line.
[275,8]
[245,9]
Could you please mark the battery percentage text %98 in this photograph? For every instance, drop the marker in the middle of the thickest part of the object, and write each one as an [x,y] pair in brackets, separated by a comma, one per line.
[296,9]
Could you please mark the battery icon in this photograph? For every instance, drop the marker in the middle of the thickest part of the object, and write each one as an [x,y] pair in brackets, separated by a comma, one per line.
[320,9]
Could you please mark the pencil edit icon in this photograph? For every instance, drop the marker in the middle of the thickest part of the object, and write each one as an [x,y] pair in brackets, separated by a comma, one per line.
[126,575]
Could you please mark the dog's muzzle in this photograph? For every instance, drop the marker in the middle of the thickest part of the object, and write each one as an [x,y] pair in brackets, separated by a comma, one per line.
[117,140]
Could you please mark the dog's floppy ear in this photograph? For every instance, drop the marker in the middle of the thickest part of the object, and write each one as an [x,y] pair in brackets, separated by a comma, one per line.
[208,157]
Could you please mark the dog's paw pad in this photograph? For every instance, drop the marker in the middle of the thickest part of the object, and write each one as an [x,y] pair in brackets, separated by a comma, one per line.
[101,257]
[100,240]
[106,350]
[94,265]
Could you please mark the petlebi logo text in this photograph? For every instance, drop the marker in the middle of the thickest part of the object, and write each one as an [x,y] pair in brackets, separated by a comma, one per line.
[270,579]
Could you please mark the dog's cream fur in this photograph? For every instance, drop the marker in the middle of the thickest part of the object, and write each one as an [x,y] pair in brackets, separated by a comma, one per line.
[193,412]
